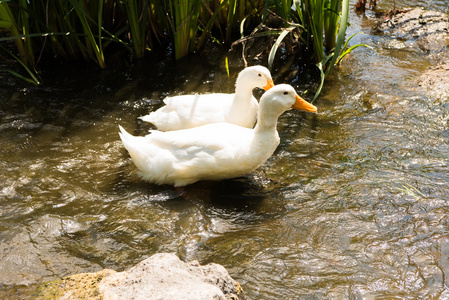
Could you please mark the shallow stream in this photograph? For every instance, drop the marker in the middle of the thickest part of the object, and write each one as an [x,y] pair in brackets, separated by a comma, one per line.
[353,204]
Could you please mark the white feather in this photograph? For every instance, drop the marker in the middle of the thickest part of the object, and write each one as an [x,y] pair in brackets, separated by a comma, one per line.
[188,111]
[210,152]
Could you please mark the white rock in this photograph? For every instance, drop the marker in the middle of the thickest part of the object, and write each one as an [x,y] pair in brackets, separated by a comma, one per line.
[165,276]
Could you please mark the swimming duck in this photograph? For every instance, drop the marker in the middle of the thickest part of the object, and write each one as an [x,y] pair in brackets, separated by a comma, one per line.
[188,111]
[214,151]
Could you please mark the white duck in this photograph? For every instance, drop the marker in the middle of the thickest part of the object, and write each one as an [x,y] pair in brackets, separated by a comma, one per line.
[188,111]
[214,151]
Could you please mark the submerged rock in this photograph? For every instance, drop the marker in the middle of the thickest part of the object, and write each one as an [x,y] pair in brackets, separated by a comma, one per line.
[76,287]
[435,82]
[428,29]
[161,276]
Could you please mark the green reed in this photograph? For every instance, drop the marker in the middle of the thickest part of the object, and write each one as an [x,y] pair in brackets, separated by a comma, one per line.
[83,28]
[325,23]
[332,9]
[23,44]
[184,24]
[137,15]
[85,14]
[8,21]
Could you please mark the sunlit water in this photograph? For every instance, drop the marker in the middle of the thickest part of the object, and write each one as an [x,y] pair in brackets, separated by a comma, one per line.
[353,204]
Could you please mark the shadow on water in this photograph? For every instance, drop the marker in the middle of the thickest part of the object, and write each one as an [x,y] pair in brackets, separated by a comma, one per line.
[353,203]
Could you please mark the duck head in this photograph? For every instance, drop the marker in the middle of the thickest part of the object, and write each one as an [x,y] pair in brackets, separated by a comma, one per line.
[256,76]
[284,97]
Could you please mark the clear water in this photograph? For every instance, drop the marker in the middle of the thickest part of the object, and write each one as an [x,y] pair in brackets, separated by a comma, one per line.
[353,204]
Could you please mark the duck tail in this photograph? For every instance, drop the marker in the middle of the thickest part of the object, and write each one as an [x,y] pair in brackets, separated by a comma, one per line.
[147,118]
[128,140]
[124,135]
[136,148]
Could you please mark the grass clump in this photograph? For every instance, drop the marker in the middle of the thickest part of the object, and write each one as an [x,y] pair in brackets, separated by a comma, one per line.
[73,29]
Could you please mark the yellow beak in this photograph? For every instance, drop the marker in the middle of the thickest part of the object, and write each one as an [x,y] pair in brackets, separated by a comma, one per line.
[302,104]
[269,85]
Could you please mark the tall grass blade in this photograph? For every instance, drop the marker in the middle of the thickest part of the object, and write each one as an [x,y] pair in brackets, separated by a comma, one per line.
[33,79]
[321,65]
[184,22]
[25,30]
[345,51]
[349,50]
[90,39]
[412,191]
[7,18]
[331,20]
[207,28]
[137,24]
[275,48]
[99,23]
[232,7]
[341,35]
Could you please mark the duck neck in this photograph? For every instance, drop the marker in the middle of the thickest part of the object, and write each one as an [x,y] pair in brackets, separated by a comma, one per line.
[266,123]
[266,137]
[243,93]
[242,102]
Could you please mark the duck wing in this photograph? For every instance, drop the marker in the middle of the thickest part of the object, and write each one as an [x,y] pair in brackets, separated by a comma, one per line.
[190,111]
[216,140]
[210,152]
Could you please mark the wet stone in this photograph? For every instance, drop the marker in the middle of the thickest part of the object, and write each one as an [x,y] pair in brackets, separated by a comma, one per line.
[435,82]
[428,29]
[161,276]
[165,276]
[80,286]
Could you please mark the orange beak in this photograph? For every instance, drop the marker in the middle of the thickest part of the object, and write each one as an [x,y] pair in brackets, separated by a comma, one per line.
[269,85]
[302,104]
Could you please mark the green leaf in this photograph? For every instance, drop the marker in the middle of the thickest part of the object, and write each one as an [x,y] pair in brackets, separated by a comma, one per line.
[23,77]
[275,47]
[349,50]
[341,35]
[322,75]
[33,78]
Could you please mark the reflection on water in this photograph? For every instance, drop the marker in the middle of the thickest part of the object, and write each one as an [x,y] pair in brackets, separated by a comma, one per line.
[352,205]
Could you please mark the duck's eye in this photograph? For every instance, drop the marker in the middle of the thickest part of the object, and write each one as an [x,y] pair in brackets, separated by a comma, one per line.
[285,93]
[260,75]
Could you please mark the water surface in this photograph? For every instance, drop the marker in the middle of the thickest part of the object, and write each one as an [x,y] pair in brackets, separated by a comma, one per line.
[353,204]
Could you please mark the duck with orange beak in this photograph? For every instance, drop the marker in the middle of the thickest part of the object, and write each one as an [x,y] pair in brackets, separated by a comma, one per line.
[214,151]
[189,111]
